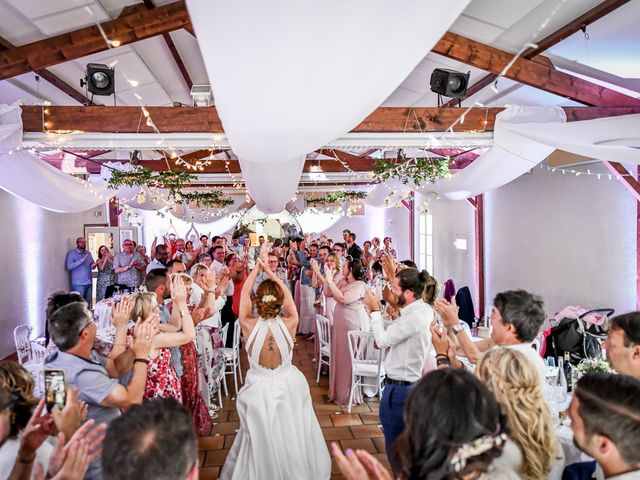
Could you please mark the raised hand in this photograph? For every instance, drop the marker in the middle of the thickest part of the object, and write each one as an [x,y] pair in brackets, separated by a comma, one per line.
[440,339]
[178,291]
[359,465]
[209,281]
[36,432]
[223,281]
[69,419]
[328,275]
[143,338]
[264,251]
[200,314]
[121,312]
[372,302]
[448,311]
[388,267]
[315,266]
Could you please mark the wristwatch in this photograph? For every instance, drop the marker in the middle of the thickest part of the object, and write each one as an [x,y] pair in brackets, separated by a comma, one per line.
[457,328]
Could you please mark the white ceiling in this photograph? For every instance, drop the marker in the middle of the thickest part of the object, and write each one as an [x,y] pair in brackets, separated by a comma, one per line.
[506,24]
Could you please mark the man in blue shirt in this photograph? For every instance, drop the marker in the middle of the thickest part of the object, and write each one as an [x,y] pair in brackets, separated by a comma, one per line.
[80,263]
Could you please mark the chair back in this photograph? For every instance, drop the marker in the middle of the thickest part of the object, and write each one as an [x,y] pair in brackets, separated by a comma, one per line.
[223,334]
[323,330]
[362,348]
[21,337]
[38,353]
[236,335]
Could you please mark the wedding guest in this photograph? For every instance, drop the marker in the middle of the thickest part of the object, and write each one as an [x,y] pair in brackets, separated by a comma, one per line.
[160,258]
[235,246]
[605,419]
[353,249]
[176,266]
[330,263]
[408,340]
[455,431]
[339,249]
[273,265]
[162,378]
[367,255]
[58,299]
[248,254]
[227,317]
[204,243]
[623,344]
[73,331]
[80,262]
[205,259]
[238,274]
[532,449]
[183,255]
[375,247]
[516,317]
[106,274]
[388,249]
[127,264]
[142,251]
[153,441]
[349,314]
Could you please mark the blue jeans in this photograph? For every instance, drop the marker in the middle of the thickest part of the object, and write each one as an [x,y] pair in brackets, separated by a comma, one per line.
[86,291]
[391,416]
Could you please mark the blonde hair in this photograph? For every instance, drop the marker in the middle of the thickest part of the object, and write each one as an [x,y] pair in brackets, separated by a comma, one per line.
[17,380]
[273,295]
[336,260]
[199,268]
[142,305]
[515,382]
[188,281]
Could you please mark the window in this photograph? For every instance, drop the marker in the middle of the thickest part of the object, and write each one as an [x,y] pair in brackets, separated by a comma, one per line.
[425,241]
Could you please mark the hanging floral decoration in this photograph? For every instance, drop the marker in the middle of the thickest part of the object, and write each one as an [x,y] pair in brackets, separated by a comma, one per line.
[417,170]
[332,198]
[174,182]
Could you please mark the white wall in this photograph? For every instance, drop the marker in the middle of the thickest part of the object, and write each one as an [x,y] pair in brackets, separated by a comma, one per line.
[34,244]
[451,219]
[571,239]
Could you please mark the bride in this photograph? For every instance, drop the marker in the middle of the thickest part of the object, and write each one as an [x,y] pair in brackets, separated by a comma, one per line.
[279,435]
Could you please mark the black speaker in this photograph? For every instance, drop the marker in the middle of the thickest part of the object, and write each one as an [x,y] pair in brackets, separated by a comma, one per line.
[449,82]
[99,79]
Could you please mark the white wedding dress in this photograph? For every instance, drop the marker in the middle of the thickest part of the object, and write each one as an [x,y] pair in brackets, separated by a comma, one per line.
[279,435]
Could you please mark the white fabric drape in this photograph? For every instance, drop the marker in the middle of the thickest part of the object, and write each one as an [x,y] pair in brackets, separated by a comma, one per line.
[28,177]
[512,154]
[290,76]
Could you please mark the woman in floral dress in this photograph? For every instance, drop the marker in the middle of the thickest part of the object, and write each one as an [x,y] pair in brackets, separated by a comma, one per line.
[162,379]
[106,275]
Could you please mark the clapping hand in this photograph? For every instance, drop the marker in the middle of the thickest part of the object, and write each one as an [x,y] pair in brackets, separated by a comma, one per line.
[388,267]
[36,432]
[315,266]
[328,275]
[200,314]
[178,291]
[209,281]
[143,337]
[359,465]
[448,311]
[223,281]
[264,252]
[121,312]
[69,419]
[372,302]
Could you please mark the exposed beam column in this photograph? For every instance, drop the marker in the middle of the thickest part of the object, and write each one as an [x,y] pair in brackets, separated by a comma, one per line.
[478,205]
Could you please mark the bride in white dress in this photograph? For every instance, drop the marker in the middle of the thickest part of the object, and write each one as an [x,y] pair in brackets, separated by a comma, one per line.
[279,435]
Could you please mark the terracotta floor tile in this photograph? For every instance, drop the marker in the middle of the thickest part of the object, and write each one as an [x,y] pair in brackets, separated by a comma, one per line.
[209,473]
[359,444]
[337,433]
[225,428]
[210,443]
[201,455]
[380,445]
[325,421]
[370,418]
[346,419]
[366,431]
[215,458]
[228,440]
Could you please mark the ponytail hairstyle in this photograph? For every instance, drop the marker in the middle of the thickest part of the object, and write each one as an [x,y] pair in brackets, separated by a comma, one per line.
[423,285]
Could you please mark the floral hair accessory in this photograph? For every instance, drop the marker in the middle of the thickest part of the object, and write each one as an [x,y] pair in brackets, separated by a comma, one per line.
[477,447]
[268,299]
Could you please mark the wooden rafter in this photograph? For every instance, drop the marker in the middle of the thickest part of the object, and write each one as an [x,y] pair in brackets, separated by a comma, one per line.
[174,51]
[127,29]
[533,73]
[355,162]
[205,119]
[596,13]
[51,77]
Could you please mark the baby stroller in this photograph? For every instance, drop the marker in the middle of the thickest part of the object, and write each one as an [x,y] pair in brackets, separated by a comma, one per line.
[579,335]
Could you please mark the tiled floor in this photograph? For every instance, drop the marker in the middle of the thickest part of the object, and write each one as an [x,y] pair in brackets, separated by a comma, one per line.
[358,429]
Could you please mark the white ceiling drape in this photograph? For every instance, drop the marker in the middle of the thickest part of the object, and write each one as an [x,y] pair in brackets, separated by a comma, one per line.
[289,76]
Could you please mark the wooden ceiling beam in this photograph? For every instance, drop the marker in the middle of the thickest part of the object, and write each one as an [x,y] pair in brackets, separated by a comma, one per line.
[127,29]
[529,72]
[593,15]
[355,162]
[174,51]
[51,77]
[205,119]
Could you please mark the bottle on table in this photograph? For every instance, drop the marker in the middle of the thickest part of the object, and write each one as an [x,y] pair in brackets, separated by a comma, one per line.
[568,371]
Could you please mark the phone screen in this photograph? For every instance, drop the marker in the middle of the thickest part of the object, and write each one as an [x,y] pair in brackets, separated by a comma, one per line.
[56,388]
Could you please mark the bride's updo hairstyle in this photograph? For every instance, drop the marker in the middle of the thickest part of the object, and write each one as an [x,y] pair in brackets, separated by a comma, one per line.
[420,283]
[269,298]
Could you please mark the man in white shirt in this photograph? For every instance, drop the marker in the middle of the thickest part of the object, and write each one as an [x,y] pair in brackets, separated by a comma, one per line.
[408,339]
[605,420]
[623,344]
[160,259]
[516,317]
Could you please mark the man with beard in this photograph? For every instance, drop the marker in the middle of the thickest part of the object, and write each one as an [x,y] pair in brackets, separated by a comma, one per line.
[605,420]
[80,263]
[408,340]
[158,281]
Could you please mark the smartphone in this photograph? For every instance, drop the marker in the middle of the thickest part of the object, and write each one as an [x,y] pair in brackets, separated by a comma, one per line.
[55,384]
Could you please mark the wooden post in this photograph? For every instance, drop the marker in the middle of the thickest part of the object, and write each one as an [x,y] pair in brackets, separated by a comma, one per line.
[114,208]
[410,205]
[479,234]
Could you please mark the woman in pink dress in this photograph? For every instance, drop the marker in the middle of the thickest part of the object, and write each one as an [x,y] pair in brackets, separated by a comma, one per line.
[349,314]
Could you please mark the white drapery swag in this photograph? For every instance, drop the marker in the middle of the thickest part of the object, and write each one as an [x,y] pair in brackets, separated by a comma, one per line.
[28,177]
[290,76]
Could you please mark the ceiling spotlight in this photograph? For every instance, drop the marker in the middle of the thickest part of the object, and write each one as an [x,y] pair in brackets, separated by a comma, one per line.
[201,95]
[99,79]
[449,82]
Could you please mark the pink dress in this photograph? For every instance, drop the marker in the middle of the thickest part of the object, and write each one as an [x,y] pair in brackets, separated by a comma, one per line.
[329,307]
[348,315]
